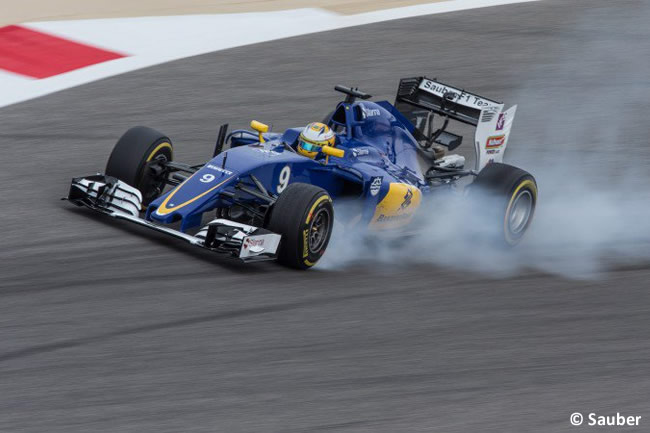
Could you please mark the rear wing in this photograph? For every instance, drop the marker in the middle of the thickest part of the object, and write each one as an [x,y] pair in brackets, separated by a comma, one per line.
[417,98]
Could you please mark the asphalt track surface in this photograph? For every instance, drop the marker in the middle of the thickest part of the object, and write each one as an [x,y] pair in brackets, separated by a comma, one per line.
[106,327]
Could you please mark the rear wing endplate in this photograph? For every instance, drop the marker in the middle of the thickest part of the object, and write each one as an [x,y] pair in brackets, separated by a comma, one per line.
[418,96]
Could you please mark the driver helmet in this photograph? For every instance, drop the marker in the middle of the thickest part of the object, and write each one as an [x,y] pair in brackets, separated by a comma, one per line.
[314,137]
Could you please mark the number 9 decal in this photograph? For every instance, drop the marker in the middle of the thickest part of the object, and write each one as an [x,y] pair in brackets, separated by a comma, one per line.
[283,181]
[207,178]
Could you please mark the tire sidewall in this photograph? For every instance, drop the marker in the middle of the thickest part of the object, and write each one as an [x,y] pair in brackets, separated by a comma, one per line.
[292,216]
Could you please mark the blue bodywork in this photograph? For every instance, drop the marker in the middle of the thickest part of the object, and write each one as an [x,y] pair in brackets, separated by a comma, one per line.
[379,149]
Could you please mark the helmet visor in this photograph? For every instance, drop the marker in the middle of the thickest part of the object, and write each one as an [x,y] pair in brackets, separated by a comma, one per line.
[310,147]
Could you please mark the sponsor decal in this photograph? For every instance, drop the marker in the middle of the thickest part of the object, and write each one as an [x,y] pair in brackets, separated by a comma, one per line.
[249,243]
[375,185]
[369,112]
[501,121]
[305,243]
[360,152]
[439,89]
[495,141]
[269,152]
[398,206]
[386,218]
[219,169]
[407,199]
[454,94]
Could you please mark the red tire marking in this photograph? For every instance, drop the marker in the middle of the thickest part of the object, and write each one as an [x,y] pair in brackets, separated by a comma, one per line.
[39,55]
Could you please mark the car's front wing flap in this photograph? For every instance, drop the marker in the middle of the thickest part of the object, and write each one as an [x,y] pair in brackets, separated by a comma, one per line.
[117,199]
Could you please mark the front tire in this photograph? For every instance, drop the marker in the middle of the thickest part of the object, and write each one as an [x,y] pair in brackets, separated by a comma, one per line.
[136,160]
[304,216]
[511,198]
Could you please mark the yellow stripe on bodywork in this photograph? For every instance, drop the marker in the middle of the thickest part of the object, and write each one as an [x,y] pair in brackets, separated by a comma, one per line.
[397,208]
[164,210]
[160,146]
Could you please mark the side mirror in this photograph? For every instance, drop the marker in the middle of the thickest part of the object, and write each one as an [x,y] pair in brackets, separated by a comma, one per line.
[260,128]
[333,151]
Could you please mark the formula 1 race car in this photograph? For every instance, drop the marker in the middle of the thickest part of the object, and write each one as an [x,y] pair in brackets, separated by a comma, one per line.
[271,202]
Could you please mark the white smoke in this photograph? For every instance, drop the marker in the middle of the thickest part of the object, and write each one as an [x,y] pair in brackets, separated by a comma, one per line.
[581,131]
[579,229]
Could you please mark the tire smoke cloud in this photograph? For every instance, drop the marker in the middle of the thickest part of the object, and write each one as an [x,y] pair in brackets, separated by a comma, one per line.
[586,142]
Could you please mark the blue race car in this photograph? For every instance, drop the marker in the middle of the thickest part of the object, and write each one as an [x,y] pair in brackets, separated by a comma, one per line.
[271,194]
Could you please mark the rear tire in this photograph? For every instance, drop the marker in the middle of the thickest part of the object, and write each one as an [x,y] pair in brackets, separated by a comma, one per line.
[304,216]
[134,158]
[511,202]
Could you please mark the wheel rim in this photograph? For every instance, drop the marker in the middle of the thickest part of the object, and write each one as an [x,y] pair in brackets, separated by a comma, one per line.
[319,230]
[520,212]
[153,187]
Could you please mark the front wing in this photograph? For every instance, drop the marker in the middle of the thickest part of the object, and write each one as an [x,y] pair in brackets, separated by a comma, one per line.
[119,200]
